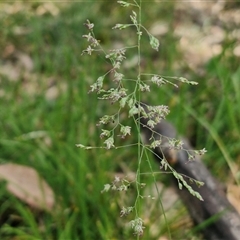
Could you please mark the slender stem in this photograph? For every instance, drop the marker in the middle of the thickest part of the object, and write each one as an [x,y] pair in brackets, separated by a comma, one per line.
[161,204]
[138,94]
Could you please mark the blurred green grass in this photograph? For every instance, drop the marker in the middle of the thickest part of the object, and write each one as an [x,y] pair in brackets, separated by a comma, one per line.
[54,43]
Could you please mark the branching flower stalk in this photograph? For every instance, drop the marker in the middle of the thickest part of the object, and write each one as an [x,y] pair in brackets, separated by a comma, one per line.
[117,92]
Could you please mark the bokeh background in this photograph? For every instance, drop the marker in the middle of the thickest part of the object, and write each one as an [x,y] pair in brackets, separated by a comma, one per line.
[46,110]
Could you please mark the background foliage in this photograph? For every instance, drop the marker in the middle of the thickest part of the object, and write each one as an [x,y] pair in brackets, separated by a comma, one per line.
[44,91]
